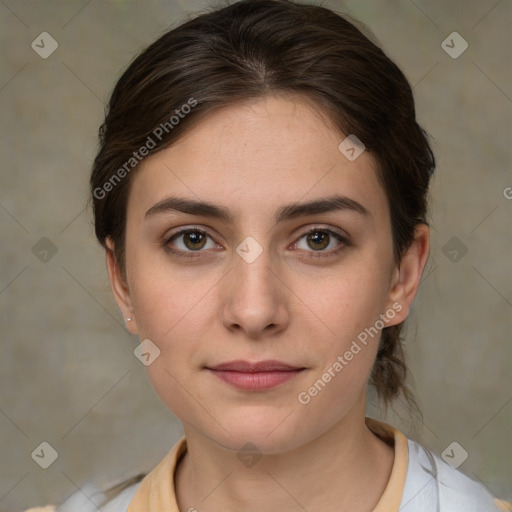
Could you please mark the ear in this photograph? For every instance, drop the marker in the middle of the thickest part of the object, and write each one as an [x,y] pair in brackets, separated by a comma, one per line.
[120,288]
[407,274]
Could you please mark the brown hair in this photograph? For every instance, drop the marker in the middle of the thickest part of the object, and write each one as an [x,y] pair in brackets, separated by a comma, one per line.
[247,50]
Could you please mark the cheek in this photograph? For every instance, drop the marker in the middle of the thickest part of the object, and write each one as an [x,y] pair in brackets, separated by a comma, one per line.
[172,314]
[175,308]
[166,298]
[348,329]
[351,301]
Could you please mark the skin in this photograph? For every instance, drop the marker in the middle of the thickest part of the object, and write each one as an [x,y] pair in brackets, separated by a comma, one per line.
[289,304]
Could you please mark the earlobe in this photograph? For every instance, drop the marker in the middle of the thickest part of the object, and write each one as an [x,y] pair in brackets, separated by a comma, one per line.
[407,275]
[119,287]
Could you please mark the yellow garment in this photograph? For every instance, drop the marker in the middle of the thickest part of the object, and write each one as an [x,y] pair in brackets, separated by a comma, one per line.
[156,492]
[503,505]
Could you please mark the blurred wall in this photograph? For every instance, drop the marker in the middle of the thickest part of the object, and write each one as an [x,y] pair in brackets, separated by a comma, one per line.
[68,375]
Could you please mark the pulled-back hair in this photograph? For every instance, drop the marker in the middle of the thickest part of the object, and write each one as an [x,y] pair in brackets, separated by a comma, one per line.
[248,50]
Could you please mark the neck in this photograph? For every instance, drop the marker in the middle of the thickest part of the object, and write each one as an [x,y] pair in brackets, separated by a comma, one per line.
[345,468]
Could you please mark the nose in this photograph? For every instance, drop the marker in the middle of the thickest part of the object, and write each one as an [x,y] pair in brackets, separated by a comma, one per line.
[254,298]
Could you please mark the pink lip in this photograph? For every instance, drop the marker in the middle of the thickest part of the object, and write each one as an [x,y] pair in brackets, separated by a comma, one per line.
[255,376]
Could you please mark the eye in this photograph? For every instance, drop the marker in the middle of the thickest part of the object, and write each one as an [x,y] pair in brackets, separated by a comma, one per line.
[189,241]
[317,240]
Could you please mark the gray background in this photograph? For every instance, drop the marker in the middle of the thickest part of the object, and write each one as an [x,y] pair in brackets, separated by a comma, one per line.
[68,374]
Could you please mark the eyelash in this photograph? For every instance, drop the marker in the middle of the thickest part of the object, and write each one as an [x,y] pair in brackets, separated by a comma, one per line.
[344,242]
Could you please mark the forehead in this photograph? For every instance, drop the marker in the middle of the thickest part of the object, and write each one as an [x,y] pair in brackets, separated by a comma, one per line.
[256,156]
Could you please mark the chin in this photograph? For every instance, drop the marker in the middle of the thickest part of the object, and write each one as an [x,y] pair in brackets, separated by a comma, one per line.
[270,434]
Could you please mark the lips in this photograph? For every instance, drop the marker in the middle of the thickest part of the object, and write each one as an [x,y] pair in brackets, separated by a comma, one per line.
[258,376]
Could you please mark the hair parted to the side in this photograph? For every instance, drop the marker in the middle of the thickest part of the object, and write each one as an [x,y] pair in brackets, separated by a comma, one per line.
[254,48]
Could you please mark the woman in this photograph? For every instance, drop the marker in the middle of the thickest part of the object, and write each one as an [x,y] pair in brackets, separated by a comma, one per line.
[261,194]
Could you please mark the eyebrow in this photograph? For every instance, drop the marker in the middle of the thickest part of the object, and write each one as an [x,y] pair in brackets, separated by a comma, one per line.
[284,213]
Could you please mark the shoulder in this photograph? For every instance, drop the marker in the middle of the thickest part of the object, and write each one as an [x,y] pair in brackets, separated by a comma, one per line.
[120,503]
[89,499]
[432,484]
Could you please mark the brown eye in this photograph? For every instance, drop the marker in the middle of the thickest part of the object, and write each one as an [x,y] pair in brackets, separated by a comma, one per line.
[318,240]
[190,241]
[322,242]
[194,240]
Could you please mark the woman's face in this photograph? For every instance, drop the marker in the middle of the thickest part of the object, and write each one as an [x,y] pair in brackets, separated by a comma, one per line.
[256,287]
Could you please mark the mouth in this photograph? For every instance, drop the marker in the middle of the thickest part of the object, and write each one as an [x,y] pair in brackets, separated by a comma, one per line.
[258,376]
